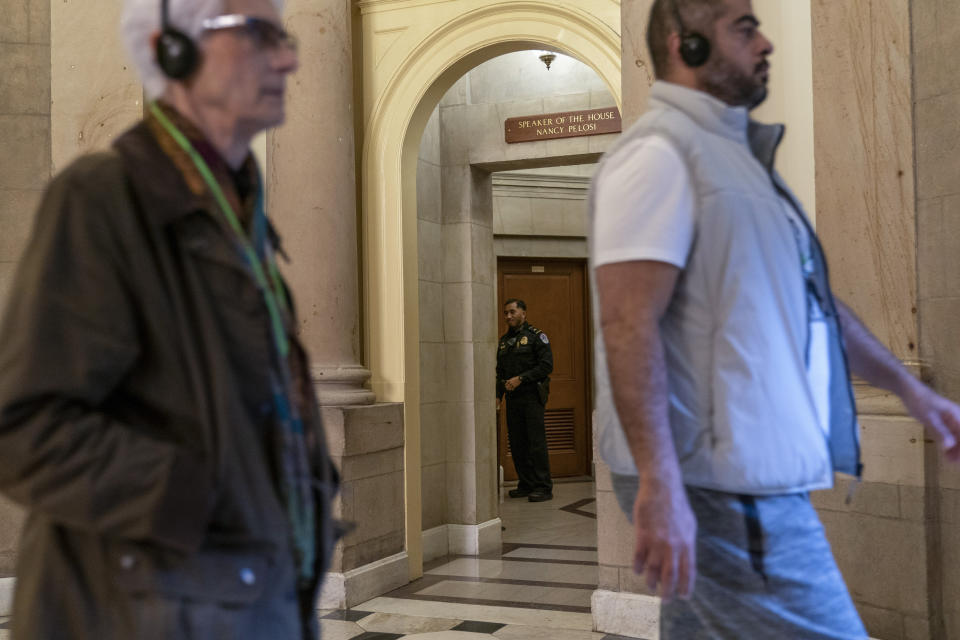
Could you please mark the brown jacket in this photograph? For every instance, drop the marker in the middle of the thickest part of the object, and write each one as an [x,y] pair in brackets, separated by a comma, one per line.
[135,417]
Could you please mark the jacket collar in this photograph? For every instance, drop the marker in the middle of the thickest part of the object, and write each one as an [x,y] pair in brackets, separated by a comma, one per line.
[164,192]
[719,118]
[224,176]
[168,193]
[764,140]
[522,327]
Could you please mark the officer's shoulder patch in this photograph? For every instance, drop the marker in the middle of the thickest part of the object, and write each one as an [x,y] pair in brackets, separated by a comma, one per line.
[543,338]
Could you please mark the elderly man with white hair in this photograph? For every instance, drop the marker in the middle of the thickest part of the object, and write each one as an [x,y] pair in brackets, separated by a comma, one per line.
[157,417]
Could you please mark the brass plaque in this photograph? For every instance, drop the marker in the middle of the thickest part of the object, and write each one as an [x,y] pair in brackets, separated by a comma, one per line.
[566,124]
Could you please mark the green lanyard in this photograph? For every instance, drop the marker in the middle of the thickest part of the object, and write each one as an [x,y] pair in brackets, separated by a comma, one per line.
[273,297]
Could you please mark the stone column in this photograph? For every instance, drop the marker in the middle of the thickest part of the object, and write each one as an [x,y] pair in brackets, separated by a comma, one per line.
[311,184]
[621,604]
[869,139]
[311,194]
[636,67]
[936,100]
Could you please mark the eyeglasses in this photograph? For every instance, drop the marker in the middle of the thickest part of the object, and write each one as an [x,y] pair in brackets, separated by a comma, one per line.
[265,34]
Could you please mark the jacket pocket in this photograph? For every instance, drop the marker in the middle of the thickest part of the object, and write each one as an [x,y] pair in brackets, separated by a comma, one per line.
[229,282]
[220,263]
[226,289]
[230,576]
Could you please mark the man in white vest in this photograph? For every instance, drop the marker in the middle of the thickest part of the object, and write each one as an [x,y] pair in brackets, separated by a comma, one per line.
[723,359]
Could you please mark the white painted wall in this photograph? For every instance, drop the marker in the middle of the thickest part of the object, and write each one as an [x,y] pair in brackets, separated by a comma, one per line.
[519,76]
[259,148]
[787,24]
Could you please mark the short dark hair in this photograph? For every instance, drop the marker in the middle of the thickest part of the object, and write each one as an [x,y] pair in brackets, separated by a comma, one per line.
[697,15]
[520,303]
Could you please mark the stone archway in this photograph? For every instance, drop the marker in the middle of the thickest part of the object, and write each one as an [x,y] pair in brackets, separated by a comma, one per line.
[415,54]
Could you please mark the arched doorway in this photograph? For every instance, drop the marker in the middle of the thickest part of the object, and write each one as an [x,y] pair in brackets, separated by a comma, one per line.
[412,63]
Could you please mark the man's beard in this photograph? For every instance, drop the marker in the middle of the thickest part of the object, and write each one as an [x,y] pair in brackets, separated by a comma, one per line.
[724,82]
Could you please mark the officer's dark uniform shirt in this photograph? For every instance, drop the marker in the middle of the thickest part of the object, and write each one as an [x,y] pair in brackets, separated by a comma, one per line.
[525,352]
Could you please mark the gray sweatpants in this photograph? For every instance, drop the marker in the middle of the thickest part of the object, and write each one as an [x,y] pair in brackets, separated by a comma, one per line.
[764,570]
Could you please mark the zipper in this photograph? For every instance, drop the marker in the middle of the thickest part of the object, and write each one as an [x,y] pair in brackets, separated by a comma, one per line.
[843,357]
[852,489]
[832,308]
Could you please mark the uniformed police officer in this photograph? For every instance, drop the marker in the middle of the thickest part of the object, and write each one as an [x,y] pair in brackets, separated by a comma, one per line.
[524,364]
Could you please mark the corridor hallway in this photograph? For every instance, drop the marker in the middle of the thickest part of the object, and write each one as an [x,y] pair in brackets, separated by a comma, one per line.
[538,587]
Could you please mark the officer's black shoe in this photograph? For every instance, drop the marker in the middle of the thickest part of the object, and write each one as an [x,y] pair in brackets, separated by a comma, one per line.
[519,493]
[540,496]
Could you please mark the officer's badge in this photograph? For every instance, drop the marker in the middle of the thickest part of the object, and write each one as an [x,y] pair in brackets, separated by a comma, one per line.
[543,338]
[523,340]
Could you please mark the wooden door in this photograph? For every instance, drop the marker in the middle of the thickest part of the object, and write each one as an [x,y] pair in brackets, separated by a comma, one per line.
[555,293]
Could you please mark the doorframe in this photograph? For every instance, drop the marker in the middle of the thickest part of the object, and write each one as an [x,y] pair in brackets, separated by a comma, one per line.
[430,46]
[588,344]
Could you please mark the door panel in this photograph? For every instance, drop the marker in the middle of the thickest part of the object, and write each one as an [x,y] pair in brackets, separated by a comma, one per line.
[555,293]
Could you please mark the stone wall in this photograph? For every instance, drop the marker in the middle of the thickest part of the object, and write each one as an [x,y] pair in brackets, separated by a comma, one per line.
[551,201]
[433,405]
[541,213]
[24,165]
[462,144]
[469,330]
[525,247]
[456,414]
[864,140]
[24,124]
[366,445]
[936,101]
[94,88]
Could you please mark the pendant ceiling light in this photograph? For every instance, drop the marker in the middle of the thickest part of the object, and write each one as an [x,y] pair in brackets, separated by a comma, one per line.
[547,58]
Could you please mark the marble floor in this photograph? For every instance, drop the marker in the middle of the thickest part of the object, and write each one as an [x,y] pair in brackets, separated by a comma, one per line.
[537,588]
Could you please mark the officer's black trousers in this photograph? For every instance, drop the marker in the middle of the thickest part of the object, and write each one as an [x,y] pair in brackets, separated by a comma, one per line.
[528,442]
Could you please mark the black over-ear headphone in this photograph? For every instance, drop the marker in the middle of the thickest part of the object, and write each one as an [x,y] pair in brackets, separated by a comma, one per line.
[176,53]
[694,47]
